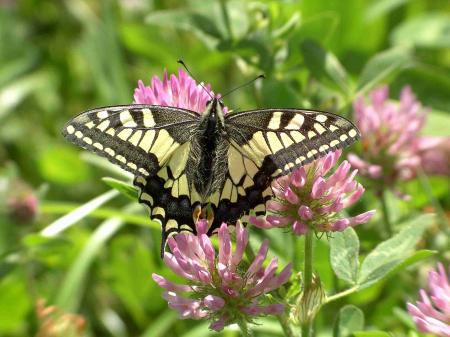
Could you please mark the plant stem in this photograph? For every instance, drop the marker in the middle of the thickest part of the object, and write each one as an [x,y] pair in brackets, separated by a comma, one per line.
[341,294]
[244,328]
[226,18]
[307,277]
[387,221]
[283,319]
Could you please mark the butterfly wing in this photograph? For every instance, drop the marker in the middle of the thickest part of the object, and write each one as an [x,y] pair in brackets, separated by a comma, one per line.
[152,142]
[265,144]
[138,138]
[280,140]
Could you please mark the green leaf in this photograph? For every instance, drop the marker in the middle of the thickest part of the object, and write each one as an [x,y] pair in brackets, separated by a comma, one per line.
[413,258]
[15,303]
[391,253]
[382,65]
[324,64]
[71,292]
[344,250]
[438,124]
[126,189]
[278,94]
[350,319]
[62,165]
[380,8]
[429,30]
[371,334]
[73,217]
[161,325]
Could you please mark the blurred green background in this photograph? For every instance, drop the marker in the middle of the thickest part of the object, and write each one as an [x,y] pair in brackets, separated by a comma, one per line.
[58,58]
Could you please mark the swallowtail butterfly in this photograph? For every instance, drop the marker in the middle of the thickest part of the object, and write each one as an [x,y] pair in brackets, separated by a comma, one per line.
[185,163]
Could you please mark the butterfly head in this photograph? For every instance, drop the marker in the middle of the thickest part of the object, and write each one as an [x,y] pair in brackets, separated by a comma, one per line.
[213,114]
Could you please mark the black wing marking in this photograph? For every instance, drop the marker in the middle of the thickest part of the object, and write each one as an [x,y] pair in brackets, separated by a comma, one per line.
[247,187]
[265,144]
[139,138]
[168,196]
[280,140]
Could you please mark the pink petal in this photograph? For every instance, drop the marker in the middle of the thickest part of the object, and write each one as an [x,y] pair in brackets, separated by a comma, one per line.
[241,244]
[299,228]
[166,284]
[224,245]
[214,303]
[259,259]
[305,212]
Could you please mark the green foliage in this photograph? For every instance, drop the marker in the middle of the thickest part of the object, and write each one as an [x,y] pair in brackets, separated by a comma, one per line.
[350,319]
[92,251]
[344,251]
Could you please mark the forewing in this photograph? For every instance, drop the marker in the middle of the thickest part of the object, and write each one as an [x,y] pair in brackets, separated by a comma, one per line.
[139,138]
[280,140]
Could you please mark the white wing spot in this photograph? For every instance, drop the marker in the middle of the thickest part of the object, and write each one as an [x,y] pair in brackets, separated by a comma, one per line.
[121,158]
[352,133]
[343,137]
[102,114]
[110,151]
[87,140]
[78,134]
[324,148]
[98,146]
[333,143]
[141,180]
[132,165]
[143,171]
[321,118]
[70,129]
[147,197]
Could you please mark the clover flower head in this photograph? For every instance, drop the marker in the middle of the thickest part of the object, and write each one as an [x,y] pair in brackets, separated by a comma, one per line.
[181,92]
[435,155]
[311,198]
[390,135]
[221,287]
[432,312]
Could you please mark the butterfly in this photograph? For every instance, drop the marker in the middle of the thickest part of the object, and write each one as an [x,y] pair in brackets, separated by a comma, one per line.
[212,165]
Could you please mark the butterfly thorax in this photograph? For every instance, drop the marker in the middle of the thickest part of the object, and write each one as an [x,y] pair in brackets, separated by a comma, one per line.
[207,163]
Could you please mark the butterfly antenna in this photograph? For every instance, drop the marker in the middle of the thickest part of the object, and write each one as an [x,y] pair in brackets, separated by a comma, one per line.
[190,74]
[243,85]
